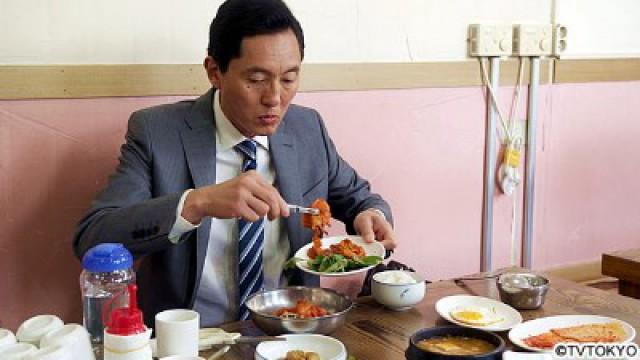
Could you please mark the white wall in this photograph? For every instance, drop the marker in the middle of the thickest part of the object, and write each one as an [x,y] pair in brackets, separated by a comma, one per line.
[600,28]
[169,31]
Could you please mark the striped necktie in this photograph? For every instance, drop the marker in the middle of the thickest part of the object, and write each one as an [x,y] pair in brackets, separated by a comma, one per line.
[250,242]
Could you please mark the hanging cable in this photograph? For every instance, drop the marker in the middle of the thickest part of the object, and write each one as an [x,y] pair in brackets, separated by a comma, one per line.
[508,174]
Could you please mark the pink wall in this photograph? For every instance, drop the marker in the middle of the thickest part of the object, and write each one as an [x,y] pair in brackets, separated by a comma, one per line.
[589,193]
[422,150]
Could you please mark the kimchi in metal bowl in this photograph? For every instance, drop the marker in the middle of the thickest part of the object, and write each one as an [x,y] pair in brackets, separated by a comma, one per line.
[264,305]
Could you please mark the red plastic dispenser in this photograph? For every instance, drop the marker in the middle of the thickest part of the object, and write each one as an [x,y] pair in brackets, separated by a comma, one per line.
[125,336]
[127,320]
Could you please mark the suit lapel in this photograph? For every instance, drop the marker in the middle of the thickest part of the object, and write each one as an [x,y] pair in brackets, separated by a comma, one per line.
[285,159]
[199,142]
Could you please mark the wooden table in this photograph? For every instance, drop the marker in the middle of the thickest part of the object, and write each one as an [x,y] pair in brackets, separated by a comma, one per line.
[373,332]
[624,265]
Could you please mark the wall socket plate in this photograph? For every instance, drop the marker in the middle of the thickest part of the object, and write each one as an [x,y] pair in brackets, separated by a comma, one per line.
[490,39]
[532,39]
[559,40]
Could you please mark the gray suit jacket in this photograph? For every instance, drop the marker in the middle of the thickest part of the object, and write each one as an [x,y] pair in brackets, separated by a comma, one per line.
[171,148]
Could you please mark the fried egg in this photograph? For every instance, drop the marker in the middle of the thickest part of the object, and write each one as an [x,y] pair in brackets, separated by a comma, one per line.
[476,315]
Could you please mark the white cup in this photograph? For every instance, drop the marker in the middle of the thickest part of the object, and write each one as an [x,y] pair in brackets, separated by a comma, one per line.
[6,338]
[17,351]
[177,332]
[182,357]
[73,337]
[33,329]
[53,352]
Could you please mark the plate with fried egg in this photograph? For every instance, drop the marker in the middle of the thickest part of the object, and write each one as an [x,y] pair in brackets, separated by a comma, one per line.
[478,312]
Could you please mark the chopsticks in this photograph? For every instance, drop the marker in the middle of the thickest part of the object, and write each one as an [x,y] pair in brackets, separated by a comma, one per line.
[257,339]
[216,336]
[295,209]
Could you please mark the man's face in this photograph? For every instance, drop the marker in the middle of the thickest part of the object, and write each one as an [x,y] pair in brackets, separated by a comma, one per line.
[258,86]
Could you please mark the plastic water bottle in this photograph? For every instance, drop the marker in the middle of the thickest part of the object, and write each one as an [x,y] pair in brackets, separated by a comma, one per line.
[107,271]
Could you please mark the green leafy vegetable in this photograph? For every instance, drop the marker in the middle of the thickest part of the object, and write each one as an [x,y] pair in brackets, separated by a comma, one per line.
[291,263]
[337,263]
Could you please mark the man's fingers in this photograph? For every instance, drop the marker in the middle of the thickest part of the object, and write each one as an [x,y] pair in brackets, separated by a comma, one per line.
[384,233]
[248,213]
[366,230]
[273,205]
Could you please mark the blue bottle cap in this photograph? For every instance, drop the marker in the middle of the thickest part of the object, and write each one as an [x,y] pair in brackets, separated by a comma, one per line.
[107,257]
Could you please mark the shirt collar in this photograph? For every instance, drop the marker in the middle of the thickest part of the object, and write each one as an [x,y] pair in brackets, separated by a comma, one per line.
[227,136]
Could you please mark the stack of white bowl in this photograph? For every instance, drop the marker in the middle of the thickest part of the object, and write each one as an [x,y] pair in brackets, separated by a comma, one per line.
[46,337]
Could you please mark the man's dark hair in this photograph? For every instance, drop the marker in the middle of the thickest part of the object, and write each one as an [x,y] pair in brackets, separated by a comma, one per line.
[239,19]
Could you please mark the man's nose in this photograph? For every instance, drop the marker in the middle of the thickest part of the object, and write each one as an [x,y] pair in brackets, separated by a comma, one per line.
[271,95]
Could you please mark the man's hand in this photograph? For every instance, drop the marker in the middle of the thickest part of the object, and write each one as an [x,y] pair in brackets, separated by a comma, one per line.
[371,225]
[247,196]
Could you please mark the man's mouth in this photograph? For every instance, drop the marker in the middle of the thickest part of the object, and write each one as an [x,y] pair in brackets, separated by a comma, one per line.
[268,119]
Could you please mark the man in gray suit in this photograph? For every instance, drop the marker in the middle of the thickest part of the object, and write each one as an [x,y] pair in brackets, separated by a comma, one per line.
[197,178]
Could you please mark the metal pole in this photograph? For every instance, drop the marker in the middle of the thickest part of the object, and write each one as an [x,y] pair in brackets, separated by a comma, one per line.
[530,168]
[489,169]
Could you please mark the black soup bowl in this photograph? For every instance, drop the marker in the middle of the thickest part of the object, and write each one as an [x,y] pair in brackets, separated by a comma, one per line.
[415,353]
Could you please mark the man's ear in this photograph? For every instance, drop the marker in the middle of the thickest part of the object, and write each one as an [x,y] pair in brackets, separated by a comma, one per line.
[213,71]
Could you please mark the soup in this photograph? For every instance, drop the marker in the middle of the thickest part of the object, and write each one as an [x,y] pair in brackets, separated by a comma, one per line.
[456,345]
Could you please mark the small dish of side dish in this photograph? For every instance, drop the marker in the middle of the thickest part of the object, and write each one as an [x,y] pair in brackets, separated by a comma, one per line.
[478,312]
[302,347]
[542,334]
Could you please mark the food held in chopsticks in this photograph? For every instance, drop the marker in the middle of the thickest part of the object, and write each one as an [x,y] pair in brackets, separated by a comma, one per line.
[603,333]
[304,309]
[319,224]
[343,256]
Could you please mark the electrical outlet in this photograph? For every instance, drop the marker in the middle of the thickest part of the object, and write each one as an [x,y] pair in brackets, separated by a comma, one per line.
[559,40]
[532,39]
[490,40]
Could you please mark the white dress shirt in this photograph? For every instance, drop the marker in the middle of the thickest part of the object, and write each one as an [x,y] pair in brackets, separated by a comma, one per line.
[217,294]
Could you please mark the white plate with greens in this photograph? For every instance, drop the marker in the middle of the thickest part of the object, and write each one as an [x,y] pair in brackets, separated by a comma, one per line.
[337,265]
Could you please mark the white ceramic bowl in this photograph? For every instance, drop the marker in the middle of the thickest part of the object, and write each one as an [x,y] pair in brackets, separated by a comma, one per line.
[17,351]
[33,329]
[326,347]
[54,352]
[7,337]
[397,296]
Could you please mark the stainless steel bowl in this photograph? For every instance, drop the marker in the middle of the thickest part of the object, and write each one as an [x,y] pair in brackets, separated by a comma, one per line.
[523,291]
[263,304]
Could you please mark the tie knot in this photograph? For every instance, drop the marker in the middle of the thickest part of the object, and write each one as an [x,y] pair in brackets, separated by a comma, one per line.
[248,148]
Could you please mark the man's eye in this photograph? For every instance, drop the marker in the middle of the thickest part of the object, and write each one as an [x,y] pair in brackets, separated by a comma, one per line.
[289,79]
[256,80]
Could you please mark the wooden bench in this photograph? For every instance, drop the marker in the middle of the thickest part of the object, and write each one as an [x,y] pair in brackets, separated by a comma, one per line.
[624,265]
